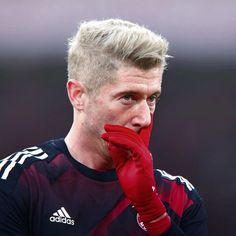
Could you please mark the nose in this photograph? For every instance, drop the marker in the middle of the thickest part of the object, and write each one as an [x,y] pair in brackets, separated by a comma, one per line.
[141,116]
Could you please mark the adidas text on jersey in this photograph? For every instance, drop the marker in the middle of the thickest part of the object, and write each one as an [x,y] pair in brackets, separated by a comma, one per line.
[61,216]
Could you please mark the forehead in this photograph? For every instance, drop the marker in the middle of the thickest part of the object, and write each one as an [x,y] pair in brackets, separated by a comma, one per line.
[132,78]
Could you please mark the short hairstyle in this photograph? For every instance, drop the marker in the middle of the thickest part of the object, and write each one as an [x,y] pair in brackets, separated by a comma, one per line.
[100,48]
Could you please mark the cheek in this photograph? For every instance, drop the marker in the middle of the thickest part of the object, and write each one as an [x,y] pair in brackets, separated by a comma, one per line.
[110,112]
[109,116]
[119,118]
[98,117]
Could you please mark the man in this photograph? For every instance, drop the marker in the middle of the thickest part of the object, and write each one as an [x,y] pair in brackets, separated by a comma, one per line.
[99,180]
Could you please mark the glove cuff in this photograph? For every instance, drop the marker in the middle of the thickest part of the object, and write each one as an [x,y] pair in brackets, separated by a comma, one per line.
[152,209]
[158,227]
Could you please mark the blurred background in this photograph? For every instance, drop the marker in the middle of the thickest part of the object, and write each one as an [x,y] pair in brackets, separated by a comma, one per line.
[194,132]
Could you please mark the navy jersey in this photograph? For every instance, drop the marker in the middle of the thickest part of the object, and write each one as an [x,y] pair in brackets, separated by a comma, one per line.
[46,192]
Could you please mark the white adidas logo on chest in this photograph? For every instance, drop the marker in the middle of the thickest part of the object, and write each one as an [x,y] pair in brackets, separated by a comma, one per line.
[61,216]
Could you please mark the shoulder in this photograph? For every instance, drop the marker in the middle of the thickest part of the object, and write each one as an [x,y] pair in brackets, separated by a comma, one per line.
[183,202]
[169,179]
[14,165]
[177,192]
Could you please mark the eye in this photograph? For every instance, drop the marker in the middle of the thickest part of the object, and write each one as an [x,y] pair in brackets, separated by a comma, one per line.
[153,99]
[127,99]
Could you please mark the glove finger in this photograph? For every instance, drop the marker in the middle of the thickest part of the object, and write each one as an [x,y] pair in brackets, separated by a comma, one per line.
[121,129]
[118,155]
[122,136]
[122,141]
[145,133]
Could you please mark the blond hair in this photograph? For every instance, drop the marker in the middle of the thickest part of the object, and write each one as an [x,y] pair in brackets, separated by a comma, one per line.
[99,48]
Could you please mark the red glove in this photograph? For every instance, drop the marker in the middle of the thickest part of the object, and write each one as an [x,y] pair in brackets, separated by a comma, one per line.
[134,167]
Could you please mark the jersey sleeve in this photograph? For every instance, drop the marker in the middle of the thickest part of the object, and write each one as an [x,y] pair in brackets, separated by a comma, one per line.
[14,196]
[184,205]
[18,183]
[12,212]
[194,220]
[193,223]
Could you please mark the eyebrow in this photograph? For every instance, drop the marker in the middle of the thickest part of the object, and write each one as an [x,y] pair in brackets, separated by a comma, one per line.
[134,92]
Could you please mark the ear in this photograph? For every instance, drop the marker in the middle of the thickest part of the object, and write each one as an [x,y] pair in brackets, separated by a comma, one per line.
[76,93]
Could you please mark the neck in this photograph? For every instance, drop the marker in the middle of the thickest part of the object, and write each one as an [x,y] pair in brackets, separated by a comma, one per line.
[90,152]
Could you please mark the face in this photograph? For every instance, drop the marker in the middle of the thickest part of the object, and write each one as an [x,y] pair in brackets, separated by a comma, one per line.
[128,101]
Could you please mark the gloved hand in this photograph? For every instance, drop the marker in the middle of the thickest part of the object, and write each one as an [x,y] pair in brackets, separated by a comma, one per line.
[134,167]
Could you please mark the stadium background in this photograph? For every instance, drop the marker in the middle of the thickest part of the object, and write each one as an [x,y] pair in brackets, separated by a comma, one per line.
[195,131]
